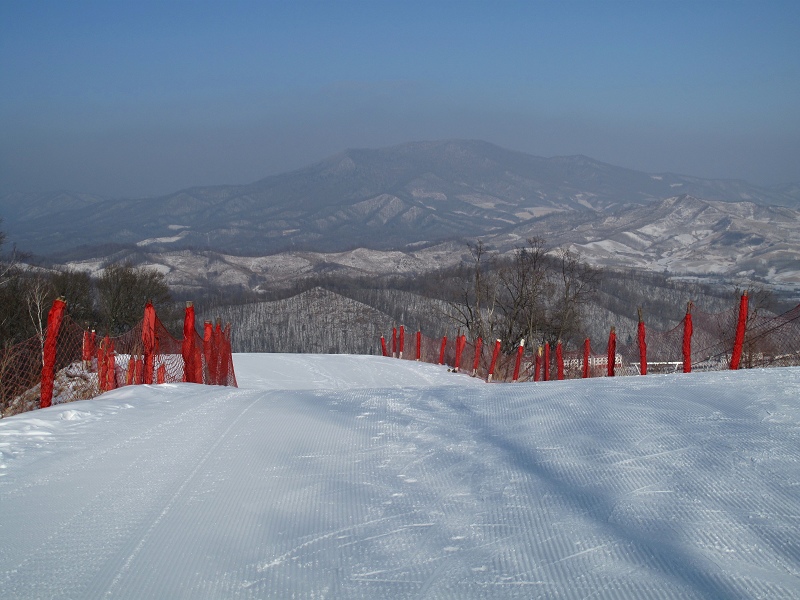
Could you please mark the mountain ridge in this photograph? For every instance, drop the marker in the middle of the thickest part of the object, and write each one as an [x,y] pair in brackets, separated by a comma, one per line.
[385,198]
[411,208]
[720,242]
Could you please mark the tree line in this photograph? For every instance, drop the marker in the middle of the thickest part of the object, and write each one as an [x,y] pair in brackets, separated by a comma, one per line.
[313,321]
[111,303]
[534,292]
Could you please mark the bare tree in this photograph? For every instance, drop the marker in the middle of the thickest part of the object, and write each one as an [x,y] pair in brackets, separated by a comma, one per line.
[123,290]
[522,295]
[529,295]
[38,298]
[473,304]
[576,283]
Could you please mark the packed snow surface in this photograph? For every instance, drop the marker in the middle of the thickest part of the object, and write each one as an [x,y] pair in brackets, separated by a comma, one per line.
[368,477]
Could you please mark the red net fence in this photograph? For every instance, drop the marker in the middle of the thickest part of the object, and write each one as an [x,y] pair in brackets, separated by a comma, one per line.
[732,339]
[71,363]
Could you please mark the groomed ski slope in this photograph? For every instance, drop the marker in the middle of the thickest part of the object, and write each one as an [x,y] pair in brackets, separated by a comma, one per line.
[367,477]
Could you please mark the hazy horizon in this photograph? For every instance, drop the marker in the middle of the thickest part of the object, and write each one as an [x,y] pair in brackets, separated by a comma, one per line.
[132,99]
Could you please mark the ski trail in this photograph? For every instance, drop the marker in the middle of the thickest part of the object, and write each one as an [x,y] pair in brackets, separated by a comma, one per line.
[278,560]
[61,522]
[126,565]
[657,488]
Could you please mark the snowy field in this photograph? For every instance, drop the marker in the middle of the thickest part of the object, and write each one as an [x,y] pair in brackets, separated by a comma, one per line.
[367,477]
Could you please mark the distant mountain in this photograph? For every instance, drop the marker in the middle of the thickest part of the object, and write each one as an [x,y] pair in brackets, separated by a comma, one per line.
[417,193]
[689,235]
[734,242]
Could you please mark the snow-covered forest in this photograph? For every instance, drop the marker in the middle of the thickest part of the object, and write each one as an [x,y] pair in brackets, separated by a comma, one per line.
[334,314]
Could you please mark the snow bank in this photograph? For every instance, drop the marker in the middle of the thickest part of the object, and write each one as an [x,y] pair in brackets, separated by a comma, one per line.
[367,477]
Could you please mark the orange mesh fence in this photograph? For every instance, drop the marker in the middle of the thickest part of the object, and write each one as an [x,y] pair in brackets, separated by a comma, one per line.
[773,341]
[664,353]
[74,379]
[134,363]
[77,365]
[702,341]
[712,339]
[21,372]
[20,376]
[430,349]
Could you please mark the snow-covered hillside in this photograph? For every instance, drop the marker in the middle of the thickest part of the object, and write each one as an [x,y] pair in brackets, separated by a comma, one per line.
[367,477]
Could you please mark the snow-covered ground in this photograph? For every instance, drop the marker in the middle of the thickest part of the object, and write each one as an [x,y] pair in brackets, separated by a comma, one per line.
[367,477]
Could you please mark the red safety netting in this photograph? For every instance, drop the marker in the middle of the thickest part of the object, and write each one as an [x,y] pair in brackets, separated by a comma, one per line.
[707,337]
[465,356]
[702,341]
[712,338]
[149,353]
[71,363]
[578,364]
[772,341]
[20,373]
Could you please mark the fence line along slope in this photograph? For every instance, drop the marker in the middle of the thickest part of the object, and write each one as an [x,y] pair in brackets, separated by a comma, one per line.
[69,362]
[739,337]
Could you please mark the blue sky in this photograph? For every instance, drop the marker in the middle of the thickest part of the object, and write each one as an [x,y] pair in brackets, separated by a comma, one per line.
[138,98]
